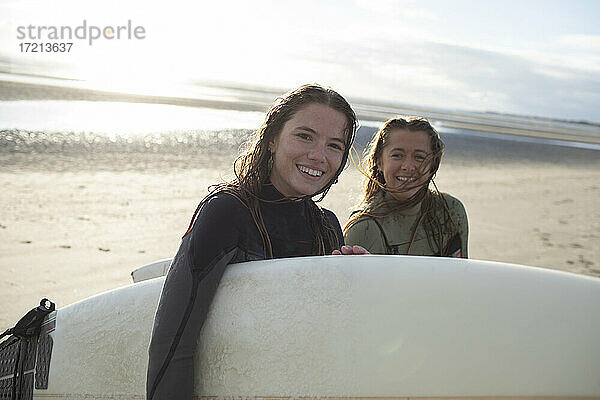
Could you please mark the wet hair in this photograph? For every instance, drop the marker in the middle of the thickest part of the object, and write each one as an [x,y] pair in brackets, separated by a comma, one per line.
[253,167]
[374,181]
[435,216]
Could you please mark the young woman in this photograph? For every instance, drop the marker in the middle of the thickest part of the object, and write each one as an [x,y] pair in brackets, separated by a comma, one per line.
[399,213]
[266,212]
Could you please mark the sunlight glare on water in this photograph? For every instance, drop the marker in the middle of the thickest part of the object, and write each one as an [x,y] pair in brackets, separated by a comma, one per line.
[114,118]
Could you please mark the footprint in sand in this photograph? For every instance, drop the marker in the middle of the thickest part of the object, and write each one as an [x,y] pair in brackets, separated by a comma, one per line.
[545,238]
[563,201]
[585,262]
[591,235]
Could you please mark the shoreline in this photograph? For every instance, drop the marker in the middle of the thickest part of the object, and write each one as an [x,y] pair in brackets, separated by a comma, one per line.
[371,111]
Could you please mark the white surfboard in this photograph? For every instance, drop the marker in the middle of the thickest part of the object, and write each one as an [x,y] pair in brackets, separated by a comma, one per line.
[350,326]
[153,270]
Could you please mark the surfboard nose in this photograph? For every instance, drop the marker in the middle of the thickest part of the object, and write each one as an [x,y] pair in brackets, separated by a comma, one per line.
[150,271]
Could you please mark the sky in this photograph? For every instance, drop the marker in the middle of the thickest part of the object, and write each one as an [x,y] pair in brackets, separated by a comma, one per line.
[523,57]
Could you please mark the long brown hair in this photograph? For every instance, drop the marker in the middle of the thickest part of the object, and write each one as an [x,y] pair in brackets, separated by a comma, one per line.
[435,216]
[252,168]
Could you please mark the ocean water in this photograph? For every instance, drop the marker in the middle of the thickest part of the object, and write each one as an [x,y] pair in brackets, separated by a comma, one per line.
[62,135]
[118,118]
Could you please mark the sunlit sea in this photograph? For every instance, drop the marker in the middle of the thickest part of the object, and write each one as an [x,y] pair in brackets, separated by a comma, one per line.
[57,134]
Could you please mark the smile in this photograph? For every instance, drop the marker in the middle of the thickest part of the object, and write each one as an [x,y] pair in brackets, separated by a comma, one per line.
[405,179]
[309,171]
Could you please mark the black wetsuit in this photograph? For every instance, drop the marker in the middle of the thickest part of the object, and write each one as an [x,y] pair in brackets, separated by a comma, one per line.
[223,233]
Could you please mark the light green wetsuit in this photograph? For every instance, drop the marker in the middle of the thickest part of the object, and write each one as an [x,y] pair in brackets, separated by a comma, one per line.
[396,229]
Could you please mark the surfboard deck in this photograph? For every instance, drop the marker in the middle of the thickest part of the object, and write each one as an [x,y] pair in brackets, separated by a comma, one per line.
[353,327]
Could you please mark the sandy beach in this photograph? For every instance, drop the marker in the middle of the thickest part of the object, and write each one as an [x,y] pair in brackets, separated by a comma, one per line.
[74,225]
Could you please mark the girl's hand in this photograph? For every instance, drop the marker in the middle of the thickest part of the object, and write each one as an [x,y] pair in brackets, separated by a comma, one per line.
[350,250]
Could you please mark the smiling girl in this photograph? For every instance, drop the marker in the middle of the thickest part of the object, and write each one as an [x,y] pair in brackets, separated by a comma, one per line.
[399,213]
[266,212]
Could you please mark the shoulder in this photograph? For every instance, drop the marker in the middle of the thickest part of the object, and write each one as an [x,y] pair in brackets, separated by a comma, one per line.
[217,212]
[335,223]
[457,210]
[331,217]
[366,232]
[454,204]
[216,228]
[222,202]
[361,229]
[360,223]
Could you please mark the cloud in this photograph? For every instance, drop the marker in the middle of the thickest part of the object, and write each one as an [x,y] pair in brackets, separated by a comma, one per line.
[584,42]
[381,49]
[458,76]
[388,10]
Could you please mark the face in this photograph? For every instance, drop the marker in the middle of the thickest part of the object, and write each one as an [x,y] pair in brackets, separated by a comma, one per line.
[404,162]
[308,151]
